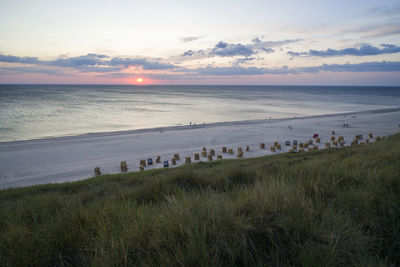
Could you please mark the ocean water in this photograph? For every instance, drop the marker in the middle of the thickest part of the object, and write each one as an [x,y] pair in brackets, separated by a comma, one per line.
[40,111]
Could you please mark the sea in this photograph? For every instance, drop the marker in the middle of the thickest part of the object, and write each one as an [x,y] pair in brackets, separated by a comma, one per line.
[43,111]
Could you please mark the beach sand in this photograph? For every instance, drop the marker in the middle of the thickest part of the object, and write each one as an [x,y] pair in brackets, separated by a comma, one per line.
[72,158]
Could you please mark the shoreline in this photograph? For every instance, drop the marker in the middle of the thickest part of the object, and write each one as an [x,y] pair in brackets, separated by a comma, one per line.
[189,127]
[73,158]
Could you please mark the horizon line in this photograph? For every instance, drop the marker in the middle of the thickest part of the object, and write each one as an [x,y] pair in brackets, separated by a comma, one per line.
[159,84]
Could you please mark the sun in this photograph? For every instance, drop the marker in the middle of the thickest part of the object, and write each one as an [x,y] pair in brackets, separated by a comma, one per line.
[139,80]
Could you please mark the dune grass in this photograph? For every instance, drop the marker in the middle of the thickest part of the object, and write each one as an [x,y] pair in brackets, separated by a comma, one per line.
[323,208]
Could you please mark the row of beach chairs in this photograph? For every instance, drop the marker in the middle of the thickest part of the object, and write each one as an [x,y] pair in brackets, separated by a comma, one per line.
[296,147]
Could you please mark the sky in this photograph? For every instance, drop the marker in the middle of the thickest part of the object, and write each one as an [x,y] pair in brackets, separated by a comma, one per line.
[309,42]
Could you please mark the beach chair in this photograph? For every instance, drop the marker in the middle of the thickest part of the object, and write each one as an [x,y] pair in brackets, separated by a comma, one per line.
[97,171]
[149,161]
[295,142]
[166,164]
[287,143]
[124,167]
[327,145]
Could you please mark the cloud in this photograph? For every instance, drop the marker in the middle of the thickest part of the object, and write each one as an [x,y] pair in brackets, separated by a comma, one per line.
[34,70]
[241,71]
[373,30]
[190,38]
[141,62]
[190,53]
[14,59]
[362,50]
[244,60]
[382,66]
[87,60]
[383,11]
[228,50]
[258,44]
[95,63]
[386,30]
[224,49]
[119,66]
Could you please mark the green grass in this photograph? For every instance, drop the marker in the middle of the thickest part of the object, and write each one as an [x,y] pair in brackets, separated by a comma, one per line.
[324,208]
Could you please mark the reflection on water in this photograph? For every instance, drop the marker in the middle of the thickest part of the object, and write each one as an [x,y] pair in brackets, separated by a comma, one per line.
[35,111]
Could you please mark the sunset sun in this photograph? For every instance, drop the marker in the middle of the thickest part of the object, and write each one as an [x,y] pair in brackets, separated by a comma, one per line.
[139,80]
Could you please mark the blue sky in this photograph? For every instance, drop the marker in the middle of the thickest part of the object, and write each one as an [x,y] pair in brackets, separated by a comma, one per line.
[200,42]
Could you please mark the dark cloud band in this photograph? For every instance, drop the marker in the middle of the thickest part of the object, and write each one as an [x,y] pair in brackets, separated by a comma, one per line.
[362,50]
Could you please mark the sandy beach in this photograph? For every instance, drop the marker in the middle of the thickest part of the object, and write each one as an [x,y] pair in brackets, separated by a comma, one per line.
[72,158]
